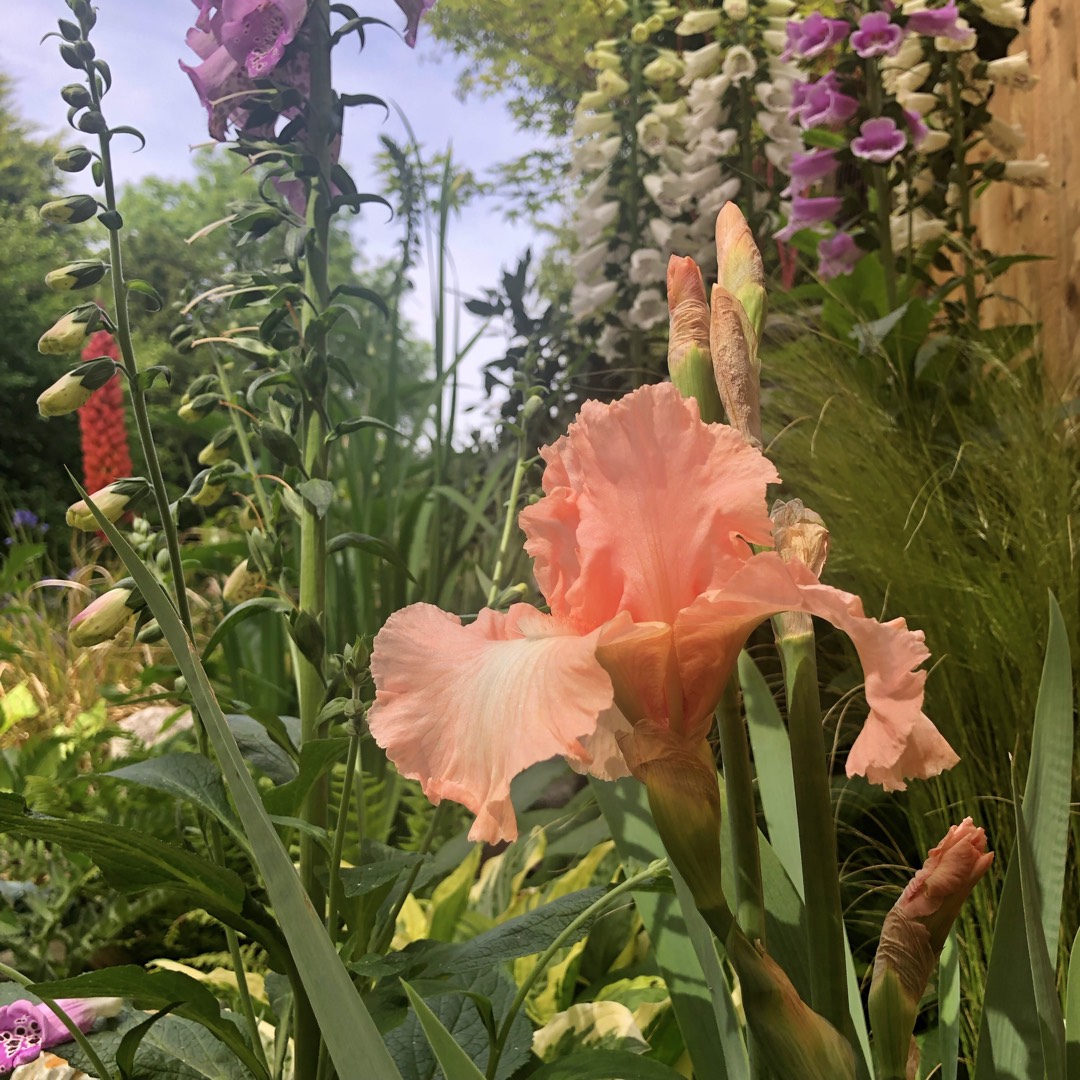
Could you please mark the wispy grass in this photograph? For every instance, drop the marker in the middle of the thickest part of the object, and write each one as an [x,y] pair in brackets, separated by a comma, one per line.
[957,509]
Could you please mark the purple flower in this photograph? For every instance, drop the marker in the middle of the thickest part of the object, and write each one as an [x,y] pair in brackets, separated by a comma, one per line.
[27,1029]
[814,35]
[821,104]
[807,169]
[879,140]
[238,42]
[24,519]
[837,254]
[414,10]
[877,35]
[937,22]
[806,212]
[917,125]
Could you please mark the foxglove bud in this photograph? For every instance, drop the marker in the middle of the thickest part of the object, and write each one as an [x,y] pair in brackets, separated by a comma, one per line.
[72,160]
[105,617]
[698,22]
[198,407]
[689,360]
[208,486]
[150,634]
[69,332]
[204,384]
[112,501]
[218,449]
[70,211]
[73,389]
[913,936]
[76,95]
[76,275]
[244,583]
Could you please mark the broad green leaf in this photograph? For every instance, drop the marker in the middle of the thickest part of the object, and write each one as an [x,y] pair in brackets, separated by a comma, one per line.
[1047,1005]
[316,756]
[1014,1034]
[351,1037]
[241,613]
[455,1063]
[318,495]
[772,763]
[949,1008]
[129,1044]
[603,1065]
[188,775]
[158,990]
[360,880]
[451,896]
[1072,1014]
[681,942]
[259,746]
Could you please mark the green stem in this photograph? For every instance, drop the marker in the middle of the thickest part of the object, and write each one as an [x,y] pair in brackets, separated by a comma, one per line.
[210,826]
[879,177]
[244,442]
[545,958]
[742,813]
[84,1044]
[520,469]
[320,114]
[339,835]
[817,833]
[962,180]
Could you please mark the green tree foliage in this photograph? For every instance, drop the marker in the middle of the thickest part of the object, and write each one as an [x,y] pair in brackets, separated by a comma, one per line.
[34,451]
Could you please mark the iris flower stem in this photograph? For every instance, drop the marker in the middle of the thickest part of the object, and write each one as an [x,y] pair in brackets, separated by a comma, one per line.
[322,117]
[520,469]
[210,827]
[76,1033]
[568,935]
[817,832]
[742,813]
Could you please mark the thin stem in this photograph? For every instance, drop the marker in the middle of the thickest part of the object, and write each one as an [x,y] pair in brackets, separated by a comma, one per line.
[962,180]
[76,1033]
[879,176]
[210,826]
[339,835]
[520,469]
[243,440]
[742,813]
[545,958]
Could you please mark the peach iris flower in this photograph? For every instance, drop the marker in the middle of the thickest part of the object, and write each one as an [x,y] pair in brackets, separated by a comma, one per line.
[642,549]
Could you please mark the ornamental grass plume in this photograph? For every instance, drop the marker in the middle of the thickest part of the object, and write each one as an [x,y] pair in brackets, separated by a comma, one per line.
[105,452]
[642,548]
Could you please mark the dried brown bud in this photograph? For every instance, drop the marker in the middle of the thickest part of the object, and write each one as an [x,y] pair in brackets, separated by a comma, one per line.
[733,345]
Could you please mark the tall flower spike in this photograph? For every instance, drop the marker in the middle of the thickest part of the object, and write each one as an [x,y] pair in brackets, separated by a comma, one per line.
[102,426]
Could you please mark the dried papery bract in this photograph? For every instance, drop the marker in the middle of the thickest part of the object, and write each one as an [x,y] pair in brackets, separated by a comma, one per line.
[733,345]
[800,534]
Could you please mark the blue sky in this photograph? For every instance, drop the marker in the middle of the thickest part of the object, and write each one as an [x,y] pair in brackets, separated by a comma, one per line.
[142,40]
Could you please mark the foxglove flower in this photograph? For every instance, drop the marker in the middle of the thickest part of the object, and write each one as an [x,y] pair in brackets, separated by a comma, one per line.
[642,548]
[104,618]
[879,140]
[414,12]
[837,254]
[26,1029]
[807,212]
[938,22]
[808,169]
[822,104]
[877,35]
[814,35]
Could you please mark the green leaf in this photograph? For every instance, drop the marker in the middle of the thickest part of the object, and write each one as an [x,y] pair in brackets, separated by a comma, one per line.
[356,423]
[680,940]
[603,1065]
[317,495]
[281,445]
[241,613]
[949,1008]
[266,745]
[1014,1034]
[129,1044]
[351,1037]
[373,545]
[190,776]
[361,880]
[1072,1014]
[158,990]
[130,860]
[316,756]
[147,291]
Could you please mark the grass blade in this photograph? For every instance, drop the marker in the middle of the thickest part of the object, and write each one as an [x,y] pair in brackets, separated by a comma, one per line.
[455,1063]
